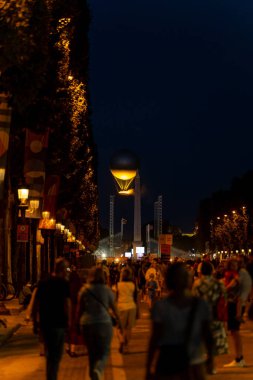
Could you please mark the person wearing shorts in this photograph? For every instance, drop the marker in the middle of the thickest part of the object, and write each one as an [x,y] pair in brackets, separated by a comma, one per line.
[127,306]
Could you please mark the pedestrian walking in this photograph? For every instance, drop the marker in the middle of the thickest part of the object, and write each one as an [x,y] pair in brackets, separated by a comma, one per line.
[152,269]
[249,268]
[152,286]
[95,301]
[127,296]
[238,284]
[54,311]
[212,290]
[142,281]
[180,330]
[32,313]
[74,339]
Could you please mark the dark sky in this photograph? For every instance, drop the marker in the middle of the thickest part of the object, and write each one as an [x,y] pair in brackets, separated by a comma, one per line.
[173,82]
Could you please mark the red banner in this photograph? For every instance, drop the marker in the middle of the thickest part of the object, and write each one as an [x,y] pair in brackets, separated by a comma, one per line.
[5,120]
[22,233]
[51,193]
[34,169]
[165,248]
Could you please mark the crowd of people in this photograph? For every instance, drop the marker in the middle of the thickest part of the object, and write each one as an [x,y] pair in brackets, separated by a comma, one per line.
[193,304]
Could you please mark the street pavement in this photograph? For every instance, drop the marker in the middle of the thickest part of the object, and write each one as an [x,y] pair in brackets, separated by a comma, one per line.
[20,359]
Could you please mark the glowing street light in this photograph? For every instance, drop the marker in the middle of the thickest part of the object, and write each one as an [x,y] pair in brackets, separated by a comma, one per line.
[23,193]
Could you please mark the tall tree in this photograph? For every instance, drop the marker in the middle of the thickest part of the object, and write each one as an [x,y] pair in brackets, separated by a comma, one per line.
[44,69]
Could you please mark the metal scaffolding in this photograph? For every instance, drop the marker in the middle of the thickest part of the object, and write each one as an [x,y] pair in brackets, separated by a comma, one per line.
[111,227]
[158,217]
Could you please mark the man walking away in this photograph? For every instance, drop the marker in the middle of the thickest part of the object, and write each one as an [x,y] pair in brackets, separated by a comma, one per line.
[53,305]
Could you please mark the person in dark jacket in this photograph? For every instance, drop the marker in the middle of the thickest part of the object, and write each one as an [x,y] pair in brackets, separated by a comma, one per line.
[54,312]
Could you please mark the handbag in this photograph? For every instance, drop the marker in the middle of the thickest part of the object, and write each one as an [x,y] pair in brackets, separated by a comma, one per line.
[113,318]
[174,358]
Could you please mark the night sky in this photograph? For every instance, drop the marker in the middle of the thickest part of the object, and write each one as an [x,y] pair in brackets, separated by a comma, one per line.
[172,81]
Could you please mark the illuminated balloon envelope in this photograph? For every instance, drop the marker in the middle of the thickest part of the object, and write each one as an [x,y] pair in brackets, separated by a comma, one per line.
[124,165]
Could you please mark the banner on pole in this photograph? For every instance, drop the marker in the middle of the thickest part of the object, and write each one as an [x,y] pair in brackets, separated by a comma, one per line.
[166,239]
[35,155]
[22,233]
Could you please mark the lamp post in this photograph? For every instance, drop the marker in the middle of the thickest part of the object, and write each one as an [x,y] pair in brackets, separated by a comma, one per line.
[48,227]
[22,237]
[33,214]
[59,239]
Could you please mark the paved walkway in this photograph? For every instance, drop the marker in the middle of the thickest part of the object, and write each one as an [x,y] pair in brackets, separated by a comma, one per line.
[14,319]
[20,360]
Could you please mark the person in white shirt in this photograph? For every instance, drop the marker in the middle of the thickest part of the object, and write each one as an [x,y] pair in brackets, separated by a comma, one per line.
[127,306]
[152,269]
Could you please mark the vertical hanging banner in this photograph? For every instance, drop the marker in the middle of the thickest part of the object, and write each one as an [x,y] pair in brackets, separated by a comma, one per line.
[5,120]
[165,242]
[51,193]
[34,168]
[22,233]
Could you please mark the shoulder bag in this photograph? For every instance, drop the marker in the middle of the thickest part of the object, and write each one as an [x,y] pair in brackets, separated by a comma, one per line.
[113,318]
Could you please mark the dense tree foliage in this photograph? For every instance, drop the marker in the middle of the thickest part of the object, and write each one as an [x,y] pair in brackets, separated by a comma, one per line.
[44,69]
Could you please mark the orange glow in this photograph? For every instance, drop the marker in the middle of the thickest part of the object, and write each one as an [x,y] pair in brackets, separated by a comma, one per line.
[124,175]
[126,192]
[47,224]
[124,179]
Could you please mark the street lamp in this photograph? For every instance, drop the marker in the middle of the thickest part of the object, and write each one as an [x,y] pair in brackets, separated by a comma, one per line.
[23,236]
[34,205]
[23,193]
[33,214]
[59,234]
[48,227]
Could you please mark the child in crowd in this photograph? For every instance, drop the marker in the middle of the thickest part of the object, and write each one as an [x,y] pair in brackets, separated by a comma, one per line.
[151,286]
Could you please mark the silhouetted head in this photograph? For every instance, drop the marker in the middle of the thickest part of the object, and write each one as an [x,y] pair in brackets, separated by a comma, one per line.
[96,276]
[232,264]
[60,268]
[177,277]
[126,275]
[206,268]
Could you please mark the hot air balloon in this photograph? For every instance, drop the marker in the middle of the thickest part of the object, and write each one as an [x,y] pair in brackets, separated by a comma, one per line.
[124,165]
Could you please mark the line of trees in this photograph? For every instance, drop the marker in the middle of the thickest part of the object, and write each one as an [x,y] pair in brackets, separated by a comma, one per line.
[44,71]
[225,221]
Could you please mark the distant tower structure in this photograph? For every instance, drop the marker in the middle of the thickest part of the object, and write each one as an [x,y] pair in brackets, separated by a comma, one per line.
[158,217]
[148,238]
[137,214]
[155,219]
[111,227]
[124,168]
